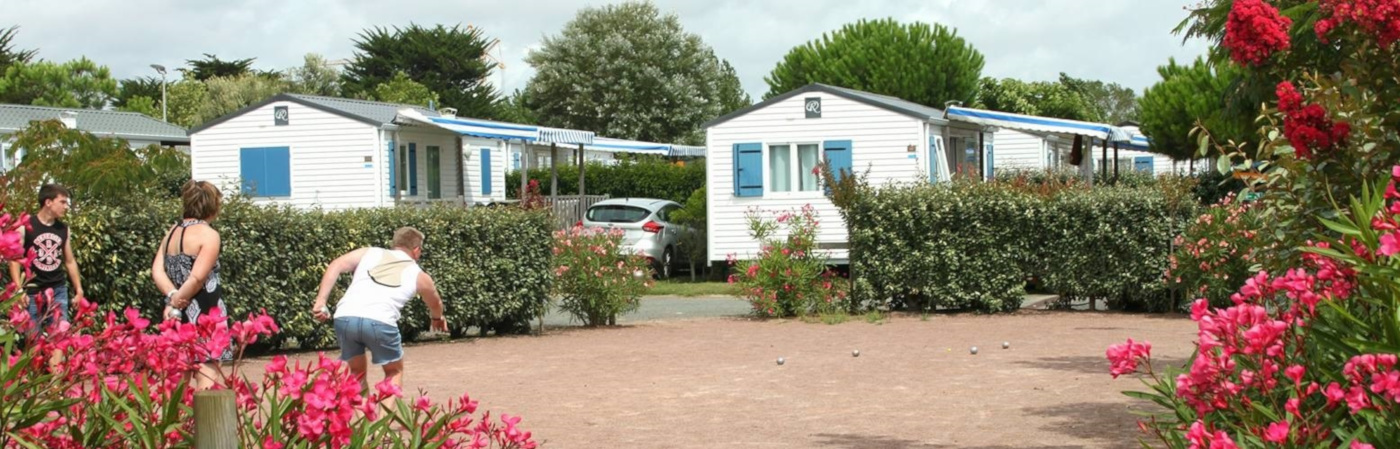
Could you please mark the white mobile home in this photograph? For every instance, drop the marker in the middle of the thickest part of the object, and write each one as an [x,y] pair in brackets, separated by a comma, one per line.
[762,157]
[338,153]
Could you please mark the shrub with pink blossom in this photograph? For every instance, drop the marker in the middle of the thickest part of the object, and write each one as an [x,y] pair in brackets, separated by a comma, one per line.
[789,276]
[596,277]
[1216,253]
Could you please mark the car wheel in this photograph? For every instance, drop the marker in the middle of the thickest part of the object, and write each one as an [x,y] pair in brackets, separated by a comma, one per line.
[663,266]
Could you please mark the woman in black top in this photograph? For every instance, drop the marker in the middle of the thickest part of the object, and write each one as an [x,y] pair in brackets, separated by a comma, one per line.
[186,269]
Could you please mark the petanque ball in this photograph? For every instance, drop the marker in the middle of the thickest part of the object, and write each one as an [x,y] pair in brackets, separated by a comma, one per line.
[780,360]
[974,350]
[855,353]
[1005,344]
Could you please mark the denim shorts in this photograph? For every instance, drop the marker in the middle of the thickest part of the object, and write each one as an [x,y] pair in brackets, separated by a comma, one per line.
[45,318]
[357,334]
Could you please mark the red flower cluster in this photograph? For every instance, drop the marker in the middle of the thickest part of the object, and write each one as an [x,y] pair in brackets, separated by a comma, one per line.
[1254,31]
[1125,356]
[1379,18]
[1307,126]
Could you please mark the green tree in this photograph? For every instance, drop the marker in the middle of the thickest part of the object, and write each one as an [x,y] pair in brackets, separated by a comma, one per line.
[1109,102]
[143,105]
[9,55]
[922,63]
[97,168]
[186,102]
[629,71]
[516,108]
[146,86]
[229,94]
[447,61]
[314,77]
[79,83]
[403,90]
[1186,96]
[211,67]
[1042,98]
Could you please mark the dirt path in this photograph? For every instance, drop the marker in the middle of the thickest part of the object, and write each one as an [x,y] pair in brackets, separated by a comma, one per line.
[707,383]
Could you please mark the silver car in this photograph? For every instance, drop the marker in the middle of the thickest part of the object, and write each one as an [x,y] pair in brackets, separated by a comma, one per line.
[647,228]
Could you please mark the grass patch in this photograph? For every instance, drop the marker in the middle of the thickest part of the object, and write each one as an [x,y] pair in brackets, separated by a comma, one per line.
[825,318]
[874,317]
[686,288]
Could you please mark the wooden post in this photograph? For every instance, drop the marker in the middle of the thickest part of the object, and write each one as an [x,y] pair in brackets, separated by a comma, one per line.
[215,422]
[553,172]
[1104,169]
[1115,163]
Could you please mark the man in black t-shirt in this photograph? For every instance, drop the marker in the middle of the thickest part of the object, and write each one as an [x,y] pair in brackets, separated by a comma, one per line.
[46,236]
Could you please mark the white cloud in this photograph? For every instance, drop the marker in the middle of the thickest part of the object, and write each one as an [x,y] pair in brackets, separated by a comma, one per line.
[1115,41]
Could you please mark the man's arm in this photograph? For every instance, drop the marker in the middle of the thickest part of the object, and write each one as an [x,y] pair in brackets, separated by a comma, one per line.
[428,290]
[342,264]
[71,264]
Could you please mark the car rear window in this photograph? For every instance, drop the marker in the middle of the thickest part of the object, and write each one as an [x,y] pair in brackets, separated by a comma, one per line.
[617,214]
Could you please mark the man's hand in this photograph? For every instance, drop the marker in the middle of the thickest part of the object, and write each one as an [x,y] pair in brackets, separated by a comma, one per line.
[79,292]
[321,312]
[438,324]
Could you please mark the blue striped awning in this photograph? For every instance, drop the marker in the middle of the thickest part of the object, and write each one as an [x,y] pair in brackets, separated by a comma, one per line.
[474,127]
[1037,124]
[566,136]
[628,146]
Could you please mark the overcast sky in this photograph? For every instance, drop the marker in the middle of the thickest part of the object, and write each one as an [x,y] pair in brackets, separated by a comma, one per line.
[1118,41]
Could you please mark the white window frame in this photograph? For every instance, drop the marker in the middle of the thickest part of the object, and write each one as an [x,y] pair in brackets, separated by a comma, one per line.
[796,171]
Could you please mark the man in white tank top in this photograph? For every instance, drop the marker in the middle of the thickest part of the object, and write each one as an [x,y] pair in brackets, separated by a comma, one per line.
[367,317]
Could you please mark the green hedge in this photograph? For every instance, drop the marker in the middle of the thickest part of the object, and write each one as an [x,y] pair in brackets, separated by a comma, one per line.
[492,266]
[970,245]
[646,178]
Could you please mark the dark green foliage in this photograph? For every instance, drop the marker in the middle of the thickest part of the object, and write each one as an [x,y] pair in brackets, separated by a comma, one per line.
[448,61]
[1039,98]
[211,67]
[922,63]
[647,177]
[1186,96]
[146,86]
[972,245]
[9,55]
[492,266]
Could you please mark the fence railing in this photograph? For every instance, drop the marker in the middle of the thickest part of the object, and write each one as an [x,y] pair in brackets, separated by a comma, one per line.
[567,210]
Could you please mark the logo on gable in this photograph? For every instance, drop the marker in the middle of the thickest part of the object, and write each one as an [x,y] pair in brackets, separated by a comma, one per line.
[280,116]
[813,105]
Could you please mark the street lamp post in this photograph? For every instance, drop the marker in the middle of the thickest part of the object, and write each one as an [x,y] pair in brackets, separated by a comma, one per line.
[164,110]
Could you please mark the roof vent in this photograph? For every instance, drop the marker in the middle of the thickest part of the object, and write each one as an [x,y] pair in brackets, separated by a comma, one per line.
[448,112]
[69,119]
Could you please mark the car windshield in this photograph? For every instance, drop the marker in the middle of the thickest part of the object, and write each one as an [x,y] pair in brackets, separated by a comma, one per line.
[617,214]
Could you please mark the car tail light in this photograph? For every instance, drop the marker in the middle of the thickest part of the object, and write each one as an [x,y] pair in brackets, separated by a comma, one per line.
[652,226]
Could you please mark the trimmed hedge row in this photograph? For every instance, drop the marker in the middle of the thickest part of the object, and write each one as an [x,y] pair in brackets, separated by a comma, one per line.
[492,266]
[647,177]
[975,245]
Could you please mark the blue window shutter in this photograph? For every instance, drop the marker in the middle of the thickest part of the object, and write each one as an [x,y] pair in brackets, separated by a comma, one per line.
[1143,164]
[485,171]
[748,169]
[393,170]
[412,168]
[250,170]
[838,157]
[265,171]
[278,164]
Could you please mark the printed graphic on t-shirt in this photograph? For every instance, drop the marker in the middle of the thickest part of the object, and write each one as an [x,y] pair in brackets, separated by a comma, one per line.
[48,248]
